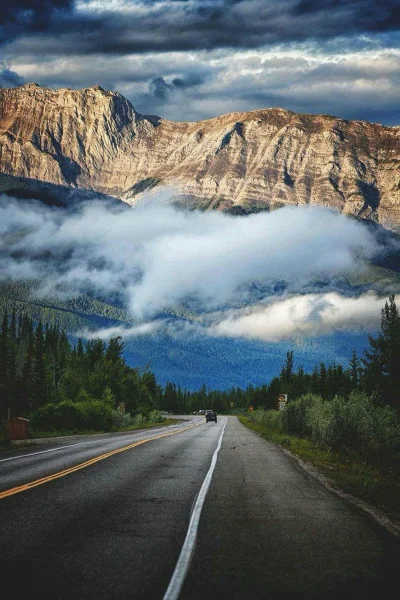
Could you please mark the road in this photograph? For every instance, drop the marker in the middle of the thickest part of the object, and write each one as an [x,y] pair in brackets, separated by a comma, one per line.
[106,524]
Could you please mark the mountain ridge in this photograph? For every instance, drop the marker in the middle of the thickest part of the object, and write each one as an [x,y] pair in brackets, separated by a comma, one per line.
[95,141]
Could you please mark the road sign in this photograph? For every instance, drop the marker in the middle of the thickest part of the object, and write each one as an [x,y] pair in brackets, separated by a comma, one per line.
[282,401]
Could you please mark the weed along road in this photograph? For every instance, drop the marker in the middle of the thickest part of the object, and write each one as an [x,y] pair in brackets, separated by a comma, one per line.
[196,510]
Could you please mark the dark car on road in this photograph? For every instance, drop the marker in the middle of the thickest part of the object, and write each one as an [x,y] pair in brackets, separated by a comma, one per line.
[211,416]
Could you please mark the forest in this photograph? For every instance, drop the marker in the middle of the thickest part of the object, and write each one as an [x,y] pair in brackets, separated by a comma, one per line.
[59,384]
[376,373]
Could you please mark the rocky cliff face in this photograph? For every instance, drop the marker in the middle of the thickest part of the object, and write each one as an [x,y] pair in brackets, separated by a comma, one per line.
[240,162]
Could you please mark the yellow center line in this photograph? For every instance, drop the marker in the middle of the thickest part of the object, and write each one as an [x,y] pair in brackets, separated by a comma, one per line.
[92,461]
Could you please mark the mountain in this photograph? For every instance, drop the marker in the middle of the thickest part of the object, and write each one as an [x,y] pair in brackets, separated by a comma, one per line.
[54,143]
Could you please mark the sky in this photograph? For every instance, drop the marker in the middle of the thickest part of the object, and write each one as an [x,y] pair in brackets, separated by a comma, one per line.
[194,59]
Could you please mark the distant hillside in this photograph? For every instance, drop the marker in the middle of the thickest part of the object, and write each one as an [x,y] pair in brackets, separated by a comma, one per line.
[191,360]
[72,314]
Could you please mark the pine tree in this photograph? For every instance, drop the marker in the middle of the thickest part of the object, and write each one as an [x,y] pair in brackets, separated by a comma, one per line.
[169,399]
[13,326]
[80,350]
[20,325]
[381,361]
[115,349]
[287,369]
[40,375]
[27,379]
[4,368]
[314,380]
[354,370]
[299,383]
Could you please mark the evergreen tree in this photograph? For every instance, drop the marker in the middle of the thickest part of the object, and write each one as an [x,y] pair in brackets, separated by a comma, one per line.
[299,383]
[13,326]
[115,349]
[287,369]
[322,381]
[274,389]
[80,350]
[27,378]
[40,374]
[169,398]
[381,361]
[260,397]
[354,370]
[4,368]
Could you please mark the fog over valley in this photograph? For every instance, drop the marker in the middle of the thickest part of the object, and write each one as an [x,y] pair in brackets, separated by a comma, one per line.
[270,277]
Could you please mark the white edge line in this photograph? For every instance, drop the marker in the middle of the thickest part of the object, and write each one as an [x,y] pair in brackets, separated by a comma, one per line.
[182,566]
[43,451]
[80,444]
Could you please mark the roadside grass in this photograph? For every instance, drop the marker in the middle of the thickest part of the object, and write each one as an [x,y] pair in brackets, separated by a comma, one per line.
[379,489]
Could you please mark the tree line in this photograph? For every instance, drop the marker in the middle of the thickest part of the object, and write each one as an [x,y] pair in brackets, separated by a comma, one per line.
[376,373]
[39,366]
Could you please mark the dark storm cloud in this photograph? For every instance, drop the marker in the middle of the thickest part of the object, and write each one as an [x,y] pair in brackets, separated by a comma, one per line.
[162,92]
[9,78]
[371,15]
[145,26]
[20,16]
[194,59]
[160,89]
[31,11]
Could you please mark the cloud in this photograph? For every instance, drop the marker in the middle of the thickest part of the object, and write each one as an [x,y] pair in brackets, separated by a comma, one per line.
[125,332]
[309,314]
[213,256]
[160,89]
[289,319]
[120,27]
[154,255]
[31,12]
[21,16]
[9,78]
[352,83]
[198,59]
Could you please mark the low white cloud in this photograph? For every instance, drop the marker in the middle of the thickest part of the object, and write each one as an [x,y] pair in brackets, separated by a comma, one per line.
[310,314]
[267,276]
[210,256]
[154,255]
[107,333]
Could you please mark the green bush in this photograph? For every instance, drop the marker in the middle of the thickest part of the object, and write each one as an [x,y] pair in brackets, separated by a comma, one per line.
[139,419]
[319,423]
[268,418]
[155,416]
[295,416]
[121,420]
[89,414]
[352,427]
[96,415]
[53,417]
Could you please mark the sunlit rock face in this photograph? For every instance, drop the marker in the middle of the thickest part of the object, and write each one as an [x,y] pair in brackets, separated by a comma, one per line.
[94,140]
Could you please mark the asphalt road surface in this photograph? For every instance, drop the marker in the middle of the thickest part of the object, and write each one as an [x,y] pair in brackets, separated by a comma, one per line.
[101,521]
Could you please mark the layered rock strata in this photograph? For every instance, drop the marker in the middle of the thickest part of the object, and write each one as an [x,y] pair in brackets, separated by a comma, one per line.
[94,140]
